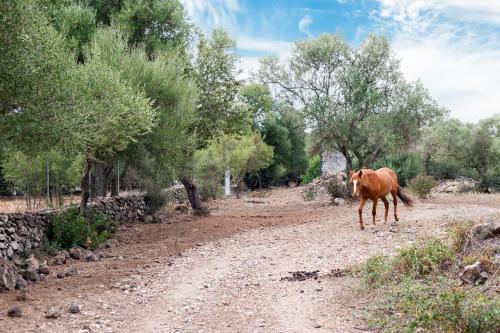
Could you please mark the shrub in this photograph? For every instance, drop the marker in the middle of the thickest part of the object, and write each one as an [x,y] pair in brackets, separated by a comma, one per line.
[374,270]
[313,170]
[420,291]
[447,310]
[421,185]
[417,261]
[336,188]
[69,229]
[155,199]
[405,165]
[209,189]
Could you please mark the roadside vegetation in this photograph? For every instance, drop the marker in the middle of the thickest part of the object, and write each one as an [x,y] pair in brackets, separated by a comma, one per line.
[429,287]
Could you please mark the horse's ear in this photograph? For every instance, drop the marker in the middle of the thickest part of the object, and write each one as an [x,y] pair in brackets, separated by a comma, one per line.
[360,173]
[351,172]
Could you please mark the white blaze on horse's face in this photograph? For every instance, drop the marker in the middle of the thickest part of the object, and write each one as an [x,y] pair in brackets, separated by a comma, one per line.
[354,188]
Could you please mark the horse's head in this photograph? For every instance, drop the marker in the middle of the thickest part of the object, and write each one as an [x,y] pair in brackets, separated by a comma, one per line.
[355,181]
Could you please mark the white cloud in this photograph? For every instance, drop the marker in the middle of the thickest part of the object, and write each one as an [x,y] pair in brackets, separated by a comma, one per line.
[304,23]
[212,14]
[443,44]
[250,64]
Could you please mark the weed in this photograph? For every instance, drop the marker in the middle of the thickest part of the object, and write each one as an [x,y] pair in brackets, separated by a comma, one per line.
[309,194]
[421,185]
[417,261]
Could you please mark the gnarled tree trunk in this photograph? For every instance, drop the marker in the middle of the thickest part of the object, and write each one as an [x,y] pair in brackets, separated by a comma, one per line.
[85,185]
[193,197]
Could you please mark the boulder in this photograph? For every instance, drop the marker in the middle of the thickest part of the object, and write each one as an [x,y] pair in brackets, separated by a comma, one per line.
[44,269]
[75,253]
[472,273]
[31,271]
[339,201]
[21,283]
[148,219]
[8,275]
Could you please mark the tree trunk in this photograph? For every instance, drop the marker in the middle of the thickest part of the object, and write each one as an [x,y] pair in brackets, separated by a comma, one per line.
[102,171]
[85,185]
[193,197]
[348,169]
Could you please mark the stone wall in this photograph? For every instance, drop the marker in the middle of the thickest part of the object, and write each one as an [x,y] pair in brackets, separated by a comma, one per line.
[26,231]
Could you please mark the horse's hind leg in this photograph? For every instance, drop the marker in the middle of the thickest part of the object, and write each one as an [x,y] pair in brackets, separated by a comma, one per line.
[374,210]
[395,201]
[386,204]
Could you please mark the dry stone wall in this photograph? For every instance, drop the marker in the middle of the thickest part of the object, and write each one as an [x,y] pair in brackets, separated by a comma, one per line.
[22,232]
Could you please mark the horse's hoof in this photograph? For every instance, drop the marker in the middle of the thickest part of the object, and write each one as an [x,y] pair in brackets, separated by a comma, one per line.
[362,227]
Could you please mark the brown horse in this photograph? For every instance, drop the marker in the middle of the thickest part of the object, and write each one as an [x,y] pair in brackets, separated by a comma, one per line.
[377,184]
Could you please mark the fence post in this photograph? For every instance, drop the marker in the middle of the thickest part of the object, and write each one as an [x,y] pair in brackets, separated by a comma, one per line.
[118,178]
[48,178]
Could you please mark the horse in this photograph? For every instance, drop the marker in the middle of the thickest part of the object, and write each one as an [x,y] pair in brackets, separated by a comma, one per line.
[377,184]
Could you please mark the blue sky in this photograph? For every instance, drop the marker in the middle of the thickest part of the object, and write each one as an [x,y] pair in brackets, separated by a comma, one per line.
[453,46]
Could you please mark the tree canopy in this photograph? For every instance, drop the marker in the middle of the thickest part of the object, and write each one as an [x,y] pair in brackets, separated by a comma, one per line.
[355,100]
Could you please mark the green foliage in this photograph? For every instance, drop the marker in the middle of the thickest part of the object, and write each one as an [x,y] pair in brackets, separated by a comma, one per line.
[356,100]
[418,261]
[76,23]
[239,154]
[162,153]
[421,185]
[157,24]
[406,166]
[417,289]
[446,310]
[336,188]
[36,82]
[313,170]
[28,174]
[215,72]
[374,271]
[155,199]
[69,229]
[105,9]
[451,148]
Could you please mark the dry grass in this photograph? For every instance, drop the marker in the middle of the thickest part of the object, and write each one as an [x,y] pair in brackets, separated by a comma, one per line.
[18,204]
[465,198]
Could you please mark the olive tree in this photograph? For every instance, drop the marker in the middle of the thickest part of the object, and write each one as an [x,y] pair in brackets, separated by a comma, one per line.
[355,100]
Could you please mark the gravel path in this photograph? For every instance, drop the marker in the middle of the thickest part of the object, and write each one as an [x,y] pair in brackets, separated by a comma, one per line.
[235,284]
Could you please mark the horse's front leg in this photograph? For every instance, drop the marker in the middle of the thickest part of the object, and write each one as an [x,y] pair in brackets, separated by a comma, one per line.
[374,209]
[360,211]
[386,204]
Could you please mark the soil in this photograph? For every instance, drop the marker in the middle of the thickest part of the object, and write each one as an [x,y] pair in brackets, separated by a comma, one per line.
[271,262]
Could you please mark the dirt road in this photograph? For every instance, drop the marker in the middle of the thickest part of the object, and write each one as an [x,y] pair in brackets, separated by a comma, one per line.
[224,273]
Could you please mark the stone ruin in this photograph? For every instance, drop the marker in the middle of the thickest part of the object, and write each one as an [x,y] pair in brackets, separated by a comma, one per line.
[332,163]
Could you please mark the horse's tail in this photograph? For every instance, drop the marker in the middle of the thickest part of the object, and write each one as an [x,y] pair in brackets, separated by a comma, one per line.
[405,198]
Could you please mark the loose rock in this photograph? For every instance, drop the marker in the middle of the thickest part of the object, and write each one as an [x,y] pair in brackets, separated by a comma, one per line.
[74,308]
[53,313]
[14,311]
